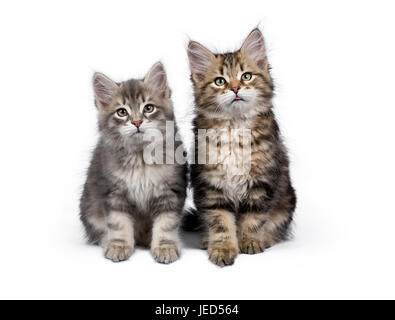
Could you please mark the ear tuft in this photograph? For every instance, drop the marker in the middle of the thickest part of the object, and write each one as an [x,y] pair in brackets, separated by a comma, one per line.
[105,89]
[255,49]
[200,60]
[156,79]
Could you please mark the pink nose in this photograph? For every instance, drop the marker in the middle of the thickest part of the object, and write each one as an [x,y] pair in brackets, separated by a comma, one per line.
[235,89]
[137,123]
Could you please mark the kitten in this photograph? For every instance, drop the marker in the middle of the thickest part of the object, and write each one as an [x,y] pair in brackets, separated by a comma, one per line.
[126,201]
[250,210]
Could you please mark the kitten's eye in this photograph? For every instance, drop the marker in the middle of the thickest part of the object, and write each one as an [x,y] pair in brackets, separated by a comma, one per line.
[246,76]
[219,81]
[149,108]
[122,112]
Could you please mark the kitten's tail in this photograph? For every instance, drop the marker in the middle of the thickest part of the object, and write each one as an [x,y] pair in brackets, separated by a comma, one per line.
[191,221]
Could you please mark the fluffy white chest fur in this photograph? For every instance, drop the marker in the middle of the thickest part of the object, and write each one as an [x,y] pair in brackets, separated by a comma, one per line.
[232,154]
[145,181]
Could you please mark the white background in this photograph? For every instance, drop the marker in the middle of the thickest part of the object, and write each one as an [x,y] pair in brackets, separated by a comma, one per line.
[333,63]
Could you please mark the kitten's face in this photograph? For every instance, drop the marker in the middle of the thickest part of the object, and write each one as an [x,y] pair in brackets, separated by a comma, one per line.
[131,109]
[233,83]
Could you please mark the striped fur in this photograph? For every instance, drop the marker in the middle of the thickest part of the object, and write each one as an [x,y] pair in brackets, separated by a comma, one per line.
[251,211]
[126,201]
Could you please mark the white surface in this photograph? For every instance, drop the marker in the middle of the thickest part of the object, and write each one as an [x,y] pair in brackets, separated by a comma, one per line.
[333,62]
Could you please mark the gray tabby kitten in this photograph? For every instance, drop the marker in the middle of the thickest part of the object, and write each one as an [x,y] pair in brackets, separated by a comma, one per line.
[126,201]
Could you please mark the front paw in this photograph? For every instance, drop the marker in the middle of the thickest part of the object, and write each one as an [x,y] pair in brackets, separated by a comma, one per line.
[251,246]
[222,255]
[118,251]
[166,253]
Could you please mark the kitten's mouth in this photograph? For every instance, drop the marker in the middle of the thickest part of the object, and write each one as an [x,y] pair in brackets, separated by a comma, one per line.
[237,99]
[138,132]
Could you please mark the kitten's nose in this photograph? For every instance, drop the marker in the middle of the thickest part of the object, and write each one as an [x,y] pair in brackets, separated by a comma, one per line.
[235,89]
[137,124]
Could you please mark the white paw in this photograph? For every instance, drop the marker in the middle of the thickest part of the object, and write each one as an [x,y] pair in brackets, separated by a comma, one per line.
[167,253]
[118,251]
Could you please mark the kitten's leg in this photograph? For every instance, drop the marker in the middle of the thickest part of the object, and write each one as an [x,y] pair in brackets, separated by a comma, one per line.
[278,223]
[251,233]
[222,237]
[118,241]
[165,246]
[276,227]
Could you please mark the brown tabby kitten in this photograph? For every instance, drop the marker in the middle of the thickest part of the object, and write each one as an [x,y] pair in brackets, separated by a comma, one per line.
[126,200]
[244,211]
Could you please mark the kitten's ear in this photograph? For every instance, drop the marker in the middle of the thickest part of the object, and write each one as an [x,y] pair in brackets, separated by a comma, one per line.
[200,60]
[105,89]
[255,49]
[156,79]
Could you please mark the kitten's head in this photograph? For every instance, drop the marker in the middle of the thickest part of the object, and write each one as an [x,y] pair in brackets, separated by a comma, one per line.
[130,109]
[232,83]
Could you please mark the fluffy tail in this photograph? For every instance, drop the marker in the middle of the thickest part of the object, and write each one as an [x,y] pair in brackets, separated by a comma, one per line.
[191,221]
